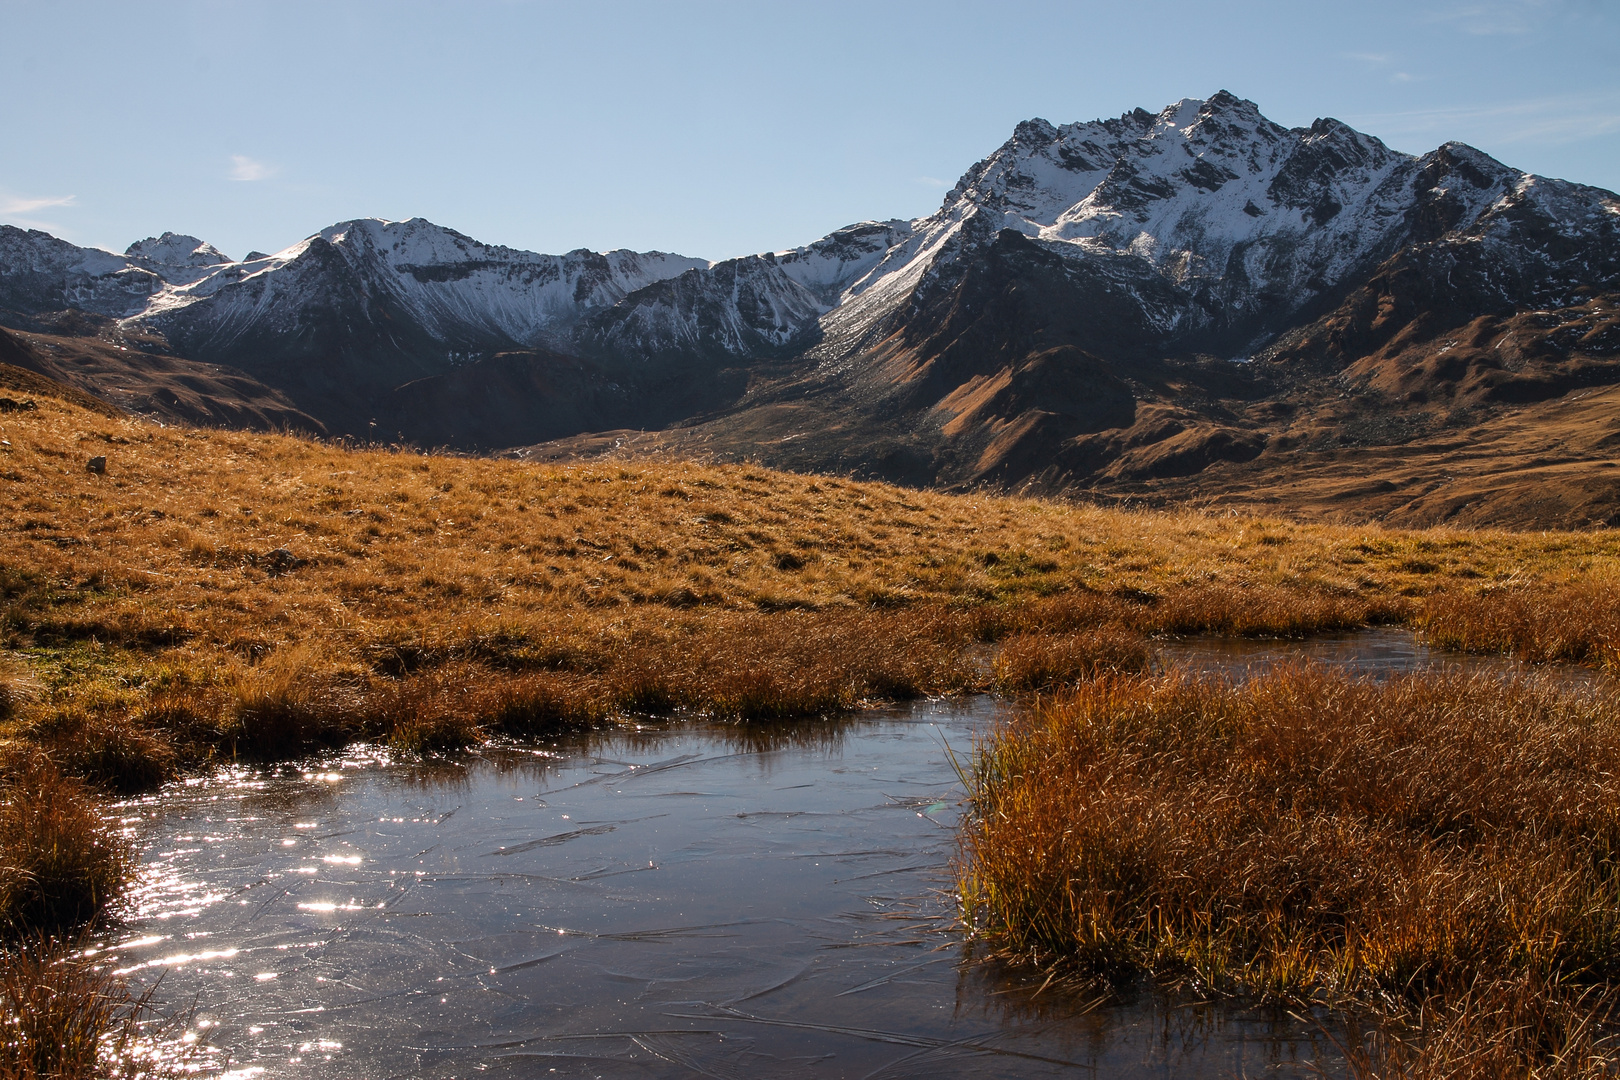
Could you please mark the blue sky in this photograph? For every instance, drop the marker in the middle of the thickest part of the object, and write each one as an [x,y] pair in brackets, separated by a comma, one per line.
[711,129]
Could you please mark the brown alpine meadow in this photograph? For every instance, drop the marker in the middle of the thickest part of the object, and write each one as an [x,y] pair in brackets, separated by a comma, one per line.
[1440,846]
[1435,848]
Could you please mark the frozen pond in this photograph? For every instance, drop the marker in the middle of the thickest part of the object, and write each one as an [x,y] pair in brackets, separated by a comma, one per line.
[684,900]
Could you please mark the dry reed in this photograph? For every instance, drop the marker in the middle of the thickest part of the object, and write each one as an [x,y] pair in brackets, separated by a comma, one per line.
[1304,833]
[1208,607]
[60,862]
[1048,662]
[1521,1026]
[63,1016]
[1572,621]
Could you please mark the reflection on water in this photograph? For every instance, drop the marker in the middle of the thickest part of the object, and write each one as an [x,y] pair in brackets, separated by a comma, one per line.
[672,901]
[1375,653]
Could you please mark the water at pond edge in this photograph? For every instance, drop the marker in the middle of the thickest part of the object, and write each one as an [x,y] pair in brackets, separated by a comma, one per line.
[682,900]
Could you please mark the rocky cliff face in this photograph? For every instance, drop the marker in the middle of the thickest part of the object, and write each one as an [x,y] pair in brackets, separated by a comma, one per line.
[1216,229]
[1092,303]
[1219,229]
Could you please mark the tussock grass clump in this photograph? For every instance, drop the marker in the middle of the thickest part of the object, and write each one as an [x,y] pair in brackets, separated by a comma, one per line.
[542,703]
[1046,662]
[1509,1027]
[458,705]
[1575,621]
[106,746]
[1210,607]
[792,664]
[64,1016]
[61,864]
[1304,833]
[728,666]
[1267,610]
[437,711]
[290,704]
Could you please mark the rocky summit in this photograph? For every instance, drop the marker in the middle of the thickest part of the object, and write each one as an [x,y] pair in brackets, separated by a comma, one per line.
[1196,303]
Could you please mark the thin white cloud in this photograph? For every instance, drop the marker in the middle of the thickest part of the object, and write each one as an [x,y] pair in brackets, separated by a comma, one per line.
[933,182]
[1500,17]
[19,210]
[246,168]
[1551,120]
[12,206]
[1381,60]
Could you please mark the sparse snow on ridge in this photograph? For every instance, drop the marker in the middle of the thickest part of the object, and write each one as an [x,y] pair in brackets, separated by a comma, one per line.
[446,279]
[1207,202]
[1206,193]
[178,259]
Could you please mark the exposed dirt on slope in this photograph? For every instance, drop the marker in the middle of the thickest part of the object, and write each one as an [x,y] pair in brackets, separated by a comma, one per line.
[1552,465]
[134,372]
[1509,419]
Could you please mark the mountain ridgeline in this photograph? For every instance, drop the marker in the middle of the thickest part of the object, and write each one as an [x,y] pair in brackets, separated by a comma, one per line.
[1194,301]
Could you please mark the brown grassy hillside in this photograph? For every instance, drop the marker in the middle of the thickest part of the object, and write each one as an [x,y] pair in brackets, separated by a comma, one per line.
[215,594]
[220,592]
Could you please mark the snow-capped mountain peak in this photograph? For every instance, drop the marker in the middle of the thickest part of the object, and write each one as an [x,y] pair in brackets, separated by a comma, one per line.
[1186,187]
[175,251]
[1213,224]
[459,289]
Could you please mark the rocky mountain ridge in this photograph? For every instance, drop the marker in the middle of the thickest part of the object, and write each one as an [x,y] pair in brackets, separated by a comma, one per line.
[1093,304]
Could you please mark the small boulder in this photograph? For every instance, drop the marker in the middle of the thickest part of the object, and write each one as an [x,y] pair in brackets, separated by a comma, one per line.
[13,405]
[278,561]
[97,465]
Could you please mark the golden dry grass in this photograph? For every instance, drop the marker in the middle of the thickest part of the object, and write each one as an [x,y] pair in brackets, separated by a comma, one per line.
[231,593]
[1048,662]
[171,545]
[63,1016]
[1495,1029]
[1307,835]
[60,862]
[219,594]
[1575,621]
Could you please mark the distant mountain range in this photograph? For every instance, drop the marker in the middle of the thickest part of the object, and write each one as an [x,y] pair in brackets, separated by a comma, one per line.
[1156,305]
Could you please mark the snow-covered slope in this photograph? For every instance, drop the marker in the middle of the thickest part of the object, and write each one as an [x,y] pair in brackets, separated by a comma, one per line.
[1203,228]
[456,289]
[754,306]
[176,258]
[740,307]
[1205,191]
[840,264]
[1246,222]
[39,272]
[1251,223]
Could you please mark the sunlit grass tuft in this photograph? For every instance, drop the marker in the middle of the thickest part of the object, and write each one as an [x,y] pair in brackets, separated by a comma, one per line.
[60,863]
[1304,833]
[1575,621]
[1047,662]
[64,1015]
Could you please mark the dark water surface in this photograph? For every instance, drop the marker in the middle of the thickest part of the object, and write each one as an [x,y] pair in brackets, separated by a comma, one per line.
[1376,653]
[690,900]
